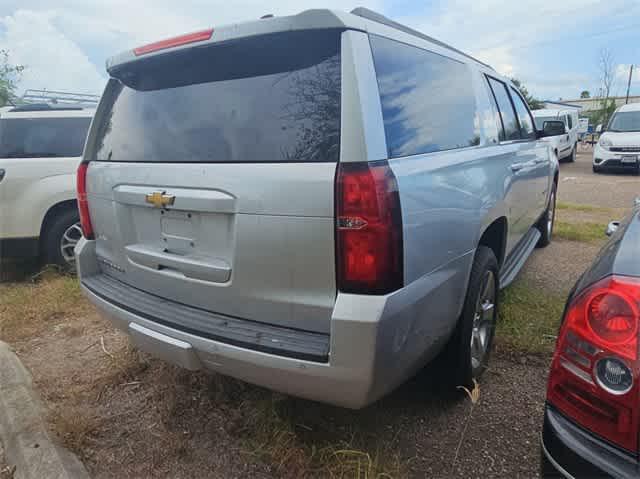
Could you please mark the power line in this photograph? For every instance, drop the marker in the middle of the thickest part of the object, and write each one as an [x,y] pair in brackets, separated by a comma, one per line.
[544,42]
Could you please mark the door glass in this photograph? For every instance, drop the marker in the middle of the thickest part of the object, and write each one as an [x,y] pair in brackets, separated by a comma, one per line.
[508,115]
[524,117]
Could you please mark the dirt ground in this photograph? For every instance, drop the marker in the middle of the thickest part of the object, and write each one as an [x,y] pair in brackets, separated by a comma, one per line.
[6,472]
[128,415]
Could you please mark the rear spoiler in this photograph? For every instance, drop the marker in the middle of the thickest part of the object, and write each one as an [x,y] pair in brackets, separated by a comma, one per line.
[307,20]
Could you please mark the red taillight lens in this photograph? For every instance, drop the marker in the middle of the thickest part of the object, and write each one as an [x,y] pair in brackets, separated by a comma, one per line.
[83,205]
[199,36]
[595,370]
[369,229]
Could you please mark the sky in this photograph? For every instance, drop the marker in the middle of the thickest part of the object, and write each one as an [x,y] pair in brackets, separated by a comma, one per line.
[552,46]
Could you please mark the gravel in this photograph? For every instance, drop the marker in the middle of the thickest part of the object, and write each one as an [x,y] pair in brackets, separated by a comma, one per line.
[557,267]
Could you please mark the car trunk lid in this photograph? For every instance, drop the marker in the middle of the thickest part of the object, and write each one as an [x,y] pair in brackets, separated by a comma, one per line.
[211,177]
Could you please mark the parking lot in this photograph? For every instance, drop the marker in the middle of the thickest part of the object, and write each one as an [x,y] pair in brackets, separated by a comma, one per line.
[128,415]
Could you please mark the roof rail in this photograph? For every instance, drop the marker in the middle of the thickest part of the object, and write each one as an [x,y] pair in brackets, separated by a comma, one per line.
[377,17]
[59,97]
[43,107]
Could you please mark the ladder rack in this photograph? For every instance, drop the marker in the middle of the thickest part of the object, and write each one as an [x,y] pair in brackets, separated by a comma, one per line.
[59,97]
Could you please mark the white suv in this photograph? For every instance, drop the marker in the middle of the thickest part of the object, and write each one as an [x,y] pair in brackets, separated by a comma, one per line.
[40,148]
[619,145]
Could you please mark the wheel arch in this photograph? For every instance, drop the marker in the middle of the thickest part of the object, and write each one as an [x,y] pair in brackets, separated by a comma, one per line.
[52,213]
[494,237]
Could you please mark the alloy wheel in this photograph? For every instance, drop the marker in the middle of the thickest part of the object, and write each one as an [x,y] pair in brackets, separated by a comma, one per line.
[69,241]
[483,320]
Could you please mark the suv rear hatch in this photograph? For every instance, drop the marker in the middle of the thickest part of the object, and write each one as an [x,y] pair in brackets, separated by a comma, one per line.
[211,176]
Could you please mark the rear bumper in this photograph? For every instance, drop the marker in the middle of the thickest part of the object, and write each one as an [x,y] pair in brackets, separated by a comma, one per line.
[376,342]
[571,452]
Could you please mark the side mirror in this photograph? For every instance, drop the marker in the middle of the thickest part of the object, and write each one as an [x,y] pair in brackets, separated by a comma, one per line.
[612,228]
[552,128]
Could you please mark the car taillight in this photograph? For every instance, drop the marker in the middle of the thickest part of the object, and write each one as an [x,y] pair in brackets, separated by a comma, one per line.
[596,370]
[199,36]
[368,229]
[83,205]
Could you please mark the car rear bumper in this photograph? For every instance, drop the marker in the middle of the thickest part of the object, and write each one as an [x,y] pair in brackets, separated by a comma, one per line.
[571,452]
[375,343]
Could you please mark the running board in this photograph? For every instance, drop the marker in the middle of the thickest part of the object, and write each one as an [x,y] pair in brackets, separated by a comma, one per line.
[518,258]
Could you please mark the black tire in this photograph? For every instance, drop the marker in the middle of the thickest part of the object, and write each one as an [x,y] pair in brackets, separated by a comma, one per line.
[596,169]
[572,157]
[546,228]
[53,235]
[458,353]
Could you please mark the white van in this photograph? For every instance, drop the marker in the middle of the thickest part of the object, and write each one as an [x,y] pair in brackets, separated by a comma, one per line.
[564,146]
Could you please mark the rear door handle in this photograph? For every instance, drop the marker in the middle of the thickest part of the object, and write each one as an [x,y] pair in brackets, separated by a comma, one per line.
[2,173]
[517,166]
[203,268]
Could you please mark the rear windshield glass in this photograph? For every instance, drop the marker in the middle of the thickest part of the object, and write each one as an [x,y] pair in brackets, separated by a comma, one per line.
[42,137]
[270,98]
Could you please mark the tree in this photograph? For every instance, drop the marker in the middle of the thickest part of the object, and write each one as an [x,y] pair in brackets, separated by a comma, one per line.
[534,103]
[9,78]
[606,67]
[585,94]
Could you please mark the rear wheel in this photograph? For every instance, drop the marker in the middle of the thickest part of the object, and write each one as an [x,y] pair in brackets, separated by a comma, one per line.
[572,157]
[469,348]
[545,225]
[60,238]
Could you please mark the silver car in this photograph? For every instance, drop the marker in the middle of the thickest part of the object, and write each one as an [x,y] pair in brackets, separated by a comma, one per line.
[319,204]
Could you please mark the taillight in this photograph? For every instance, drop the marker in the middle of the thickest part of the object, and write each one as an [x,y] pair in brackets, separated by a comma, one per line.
[368,229]
[199,36]
[595,370]
[83,205]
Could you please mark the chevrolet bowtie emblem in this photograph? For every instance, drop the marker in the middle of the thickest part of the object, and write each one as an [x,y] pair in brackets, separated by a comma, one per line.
[159,199]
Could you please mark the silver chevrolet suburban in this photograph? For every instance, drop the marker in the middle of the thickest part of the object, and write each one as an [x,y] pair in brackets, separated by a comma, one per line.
[319,204]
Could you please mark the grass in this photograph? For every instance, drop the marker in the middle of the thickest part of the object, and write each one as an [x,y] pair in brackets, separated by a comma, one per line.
[29,307]
[586,232]
[278,433]
[529,319]
[562,205]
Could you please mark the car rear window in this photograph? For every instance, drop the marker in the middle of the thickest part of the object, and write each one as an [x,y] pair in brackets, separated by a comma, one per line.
[428,101]
[269,98]
[42,137]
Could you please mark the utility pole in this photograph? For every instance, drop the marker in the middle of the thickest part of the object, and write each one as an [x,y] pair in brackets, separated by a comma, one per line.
[629,83]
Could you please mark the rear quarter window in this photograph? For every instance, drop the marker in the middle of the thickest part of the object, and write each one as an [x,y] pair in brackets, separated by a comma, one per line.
[428,100]
[269,98]
[42,137]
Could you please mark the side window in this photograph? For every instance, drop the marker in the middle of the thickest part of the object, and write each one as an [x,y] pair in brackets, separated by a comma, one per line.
[524,117]
[428,100]
[507,113]
[42,137]
[491,121]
